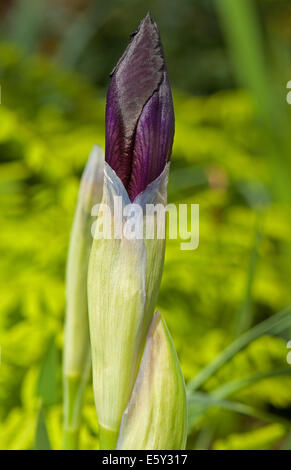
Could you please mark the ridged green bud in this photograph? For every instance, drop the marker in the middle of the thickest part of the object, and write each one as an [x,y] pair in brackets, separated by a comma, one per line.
[77,345]
[77,340]
[156,416]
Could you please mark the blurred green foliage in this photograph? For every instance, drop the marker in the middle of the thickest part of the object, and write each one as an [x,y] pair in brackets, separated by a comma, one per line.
[238,277]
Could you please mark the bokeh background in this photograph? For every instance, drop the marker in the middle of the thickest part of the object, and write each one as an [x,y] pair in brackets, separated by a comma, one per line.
[229,63]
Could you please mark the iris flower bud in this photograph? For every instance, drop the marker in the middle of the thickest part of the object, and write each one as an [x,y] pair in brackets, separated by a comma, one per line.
[156,416]
[77,341]
[139,112]
[125,274]
[123,282]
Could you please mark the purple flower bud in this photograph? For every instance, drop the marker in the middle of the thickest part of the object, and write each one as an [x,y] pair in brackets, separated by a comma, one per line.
[139,112]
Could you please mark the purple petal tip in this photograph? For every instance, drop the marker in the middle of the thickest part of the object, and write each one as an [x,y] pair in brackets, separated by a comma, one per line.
[139,111]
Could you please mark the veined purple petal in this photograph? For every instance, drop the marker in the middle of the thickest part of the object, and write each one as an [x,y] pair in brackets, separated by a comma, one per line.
[153,140]
[139,112]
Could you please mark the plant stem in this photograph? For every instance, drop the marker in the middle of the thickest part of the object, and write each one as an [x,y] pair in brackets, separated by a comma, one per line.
[108,438]
[71,439]
[73,398]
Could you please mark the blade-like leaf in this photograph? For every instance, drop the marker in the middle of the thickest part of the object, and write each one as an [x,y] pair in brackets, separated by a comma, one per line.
[237,385]
[42,441]
[243,319]
[273,325]
[200,403]
[47,382]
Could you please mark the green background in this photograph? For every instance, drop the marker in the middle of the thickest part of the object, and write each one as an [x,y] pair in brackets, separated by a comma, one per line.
[229,64]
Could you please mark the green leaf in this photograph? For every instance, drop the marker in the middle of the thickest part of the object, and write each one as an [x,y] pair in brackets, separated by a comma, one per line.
[273,325]
[47,382]
[42,441]
[237,385]
[261,438]
[243,32]
[200,403]
[243,319]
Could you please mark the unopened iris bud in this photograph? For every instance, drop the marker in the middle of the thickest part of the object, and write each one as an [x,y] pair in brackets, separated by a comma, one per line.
[156,416]
[139,112]
[77,326]
[125,274]
[77,340]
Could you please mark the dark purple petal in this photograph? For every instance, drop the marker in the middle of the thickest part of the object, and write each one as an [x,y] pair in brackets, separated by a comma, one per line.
[139,111]
[154,139]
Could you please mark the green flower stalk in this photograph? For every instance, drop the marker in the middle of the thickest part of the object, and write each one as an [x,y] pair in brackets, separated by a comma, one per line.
[125,272]
[77,359]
